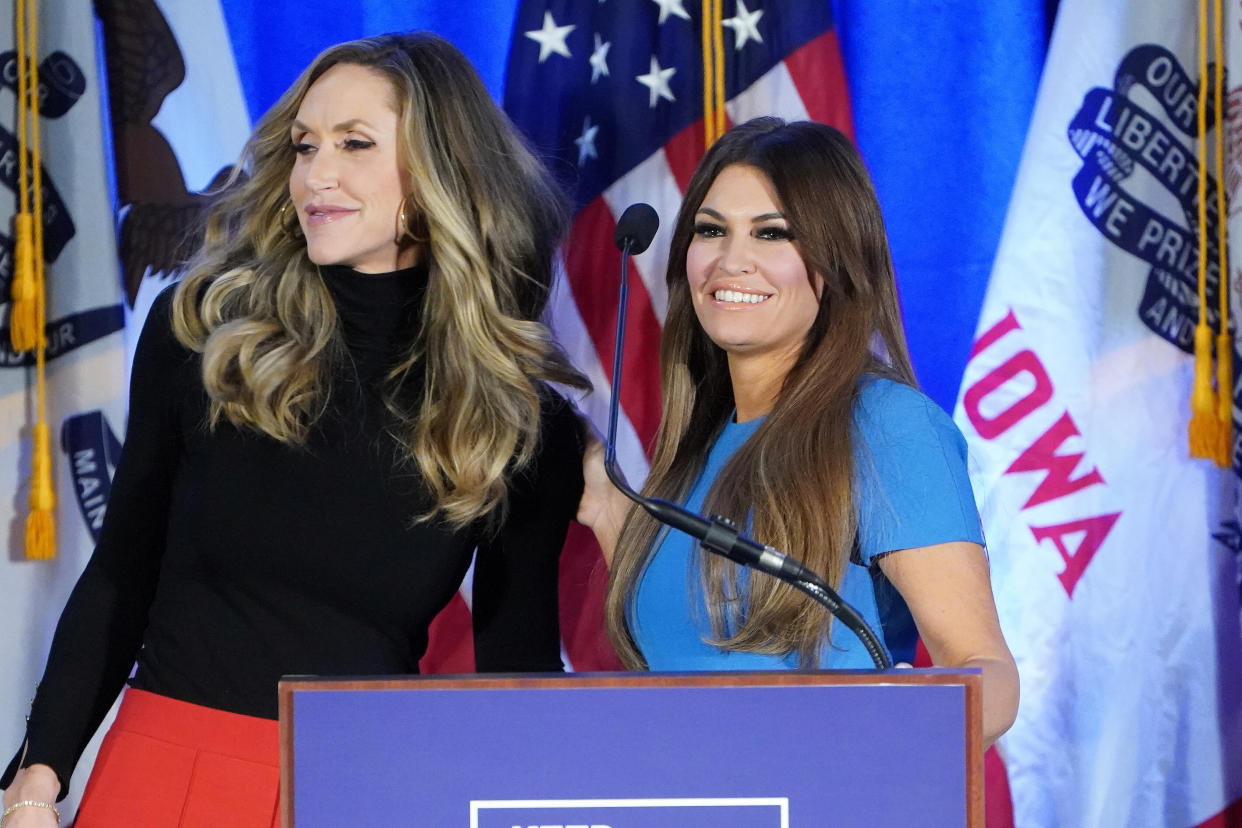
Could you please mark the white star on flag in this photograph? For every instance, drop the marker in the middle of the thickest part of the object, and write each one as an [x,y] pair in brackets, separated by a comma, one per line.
[744,25]
[586,141]
[657,81]
[599,59]
[551,38]
[668,7]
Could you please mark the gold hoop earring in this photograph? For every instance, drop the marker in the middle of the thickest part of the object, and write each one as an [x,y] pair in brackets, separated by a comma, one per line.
[418,232]
[292,230]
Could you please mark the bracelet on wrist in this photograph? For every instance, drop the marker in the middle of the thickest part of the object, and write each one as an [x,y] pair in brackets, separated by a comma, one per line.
[29,803]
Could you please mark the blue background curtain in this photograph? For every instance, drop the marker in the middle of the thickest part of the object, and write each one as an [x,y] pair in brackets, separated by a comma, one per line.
[941,90]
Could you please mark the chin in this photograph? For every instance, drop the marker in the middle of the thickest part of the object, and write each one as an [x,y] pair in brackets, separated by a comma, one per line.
[326,259]
[730,339]
[726,343]
[320,257]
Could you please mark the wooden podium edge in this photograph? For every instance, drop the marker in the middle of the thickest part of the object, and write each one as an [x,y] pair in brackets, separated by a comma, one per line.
[975,814]
[969,680]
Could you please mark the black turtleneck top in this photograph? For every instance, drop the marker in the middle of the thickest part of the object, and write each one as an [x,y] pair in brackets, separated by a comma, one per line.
[228,559]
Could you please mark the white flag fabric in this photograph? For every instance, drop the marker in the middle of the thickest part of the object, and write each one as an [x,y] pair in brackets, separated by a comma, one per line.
[1114,555]
[86,353]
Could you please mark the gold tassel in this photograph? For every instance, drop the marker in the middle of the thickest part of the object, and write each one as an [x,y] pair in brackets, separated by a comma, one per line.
[23,321]
[709,66]
[1224,345]
[1203,431]
[1224,396]
[715,118]
[28,311]
[40,526]
[719,69]
[1203,423]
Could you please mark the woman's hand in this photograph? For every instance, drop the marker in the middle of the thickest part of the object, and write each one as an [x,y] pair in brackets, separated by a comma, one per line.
[602,507]
[36,783]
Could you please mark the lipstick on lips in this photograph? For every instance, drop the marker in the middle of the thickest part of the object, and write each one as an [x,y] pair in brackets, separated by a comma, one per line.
[320,214]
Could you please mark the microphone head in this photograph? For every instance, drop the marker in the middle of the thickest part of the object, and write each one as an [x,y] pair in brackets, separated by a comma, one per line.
[637,225]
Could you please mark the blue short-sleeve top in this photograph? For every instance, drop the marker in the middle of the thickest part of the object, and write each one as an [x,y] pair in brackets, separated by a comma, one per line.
[911,489]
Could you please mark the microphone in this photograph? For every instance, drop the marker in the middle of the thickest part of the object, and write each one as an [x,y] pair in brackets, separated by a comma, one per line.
[635,230]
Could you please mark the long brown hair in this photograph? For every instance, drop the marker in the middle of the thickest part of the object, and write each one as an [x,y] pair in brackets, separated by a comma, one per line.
[258,310]
[792,481]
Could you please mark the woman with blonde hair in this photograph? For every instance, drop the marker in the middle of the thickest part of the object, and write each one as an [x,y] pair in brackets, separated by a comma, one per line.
[348,394]
[790,407]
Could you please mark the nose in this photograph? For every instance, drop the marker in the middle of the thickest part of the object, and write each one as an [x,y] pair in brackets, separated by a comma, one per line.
[320,171]
[737,254]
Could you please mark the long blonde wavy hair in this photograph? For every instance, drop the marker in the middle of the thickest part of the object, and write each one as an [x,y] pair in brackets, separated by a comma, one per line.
[257,309]
[792,481]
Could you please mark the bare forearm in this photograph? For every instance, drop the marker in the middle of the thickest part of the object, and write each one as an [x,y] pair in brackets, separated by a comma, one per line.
[1000,695]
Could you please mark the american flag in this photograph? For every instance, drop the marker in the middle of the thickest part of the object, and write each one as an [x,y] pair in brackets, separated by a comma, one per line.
[611,94]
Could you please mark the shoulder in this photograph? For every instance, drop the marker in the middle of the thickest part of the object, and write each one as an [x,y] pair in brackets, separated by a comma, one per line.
[880,397]
[554,473]
[560,424]
[911,479]
[158,321]
[891,412]
[159,353]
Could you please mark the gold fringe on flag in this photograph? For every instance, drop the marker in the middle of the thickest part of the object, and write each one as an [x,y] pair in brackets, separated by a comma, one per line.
[1204,424]
[714,118]
[22,291]
[718,52]
[1224,347]
[28,310]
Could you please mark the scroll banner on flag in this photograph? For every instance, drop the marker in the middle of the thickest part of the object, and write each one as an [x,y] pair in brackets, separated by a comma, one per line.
[1114,555]
[86,352]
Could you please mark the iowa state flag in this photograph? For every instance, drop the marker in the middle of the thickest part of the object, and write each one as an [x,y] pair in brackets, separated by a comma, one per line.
[86,351]
[1114,555]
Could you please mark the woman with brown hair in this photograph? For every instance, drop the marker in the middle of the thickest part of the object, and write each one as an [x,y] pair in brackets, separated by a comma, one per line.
[790,407]
[344,399]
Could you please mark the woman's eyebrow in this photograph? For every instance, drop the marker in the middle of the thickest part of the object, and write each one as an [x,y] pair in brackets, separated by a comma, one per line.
[343,126]
[754,220]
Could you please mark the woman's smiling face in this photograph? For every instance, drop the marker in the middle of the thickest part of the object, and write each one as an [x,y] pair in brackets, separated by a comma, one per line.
[347,181]
[748,282]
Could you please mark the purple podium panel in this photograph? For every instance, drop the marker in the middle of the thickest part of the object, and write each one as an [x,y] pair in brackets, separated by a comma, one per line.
[634,813]
[649,751]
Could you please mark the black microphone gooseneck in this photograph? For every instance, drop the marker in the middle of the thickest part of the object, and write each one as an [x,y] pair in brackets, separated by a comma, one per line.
[635,230]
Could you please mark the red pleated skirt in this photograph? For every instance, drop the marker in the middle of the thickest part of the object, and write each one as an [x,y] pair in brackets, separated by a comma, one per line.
[171,764]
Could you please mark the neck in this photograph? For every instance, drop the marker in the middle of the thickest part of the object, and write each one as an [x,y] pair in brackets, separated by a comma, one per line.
[757,382]
[377,312]
[343,271]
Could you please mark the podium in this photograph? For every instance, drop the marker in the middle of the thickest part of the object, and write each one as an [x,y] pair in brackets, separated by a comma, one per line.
[635,750]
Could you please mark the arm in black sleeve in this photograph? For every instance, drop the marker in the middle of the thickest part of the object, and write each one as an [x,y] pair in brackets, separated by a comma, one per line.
[101,628]
[516,604]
